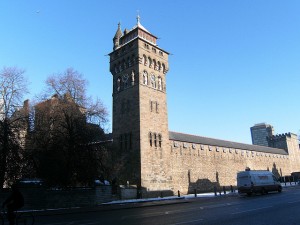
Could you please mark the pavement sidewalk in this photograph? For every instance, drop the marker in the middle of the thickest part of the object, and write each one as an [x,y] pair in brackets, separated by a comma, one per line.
[134,203]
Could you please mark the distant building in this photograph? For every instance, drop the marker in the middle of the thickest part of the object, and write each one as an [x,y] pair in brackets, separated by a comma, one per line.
[260,133]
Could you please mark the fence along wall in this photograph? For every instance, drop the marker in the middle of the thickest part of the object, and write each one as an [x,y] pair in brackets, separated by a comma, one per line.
[201,165]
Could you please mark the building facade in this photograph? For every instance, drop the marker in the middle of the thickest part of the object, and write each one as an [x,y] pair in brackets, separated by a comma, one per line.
[157,159]
[260,133]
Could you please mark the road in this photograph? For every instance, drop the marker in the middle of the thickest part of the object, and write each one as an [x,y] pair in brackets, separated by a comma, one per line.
[271,209]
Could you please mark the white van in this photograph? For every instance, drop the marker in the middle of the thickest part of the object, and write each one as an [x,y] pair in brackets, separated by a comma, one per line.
[257,181]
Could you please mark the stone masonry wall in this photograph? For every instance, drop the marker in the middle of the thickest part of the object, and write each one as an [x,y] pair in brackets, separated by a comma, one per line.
[202,167]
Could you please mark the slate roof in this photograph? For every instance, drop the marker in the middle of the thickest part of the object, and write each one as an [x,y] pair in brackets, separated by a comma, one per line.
[221,143]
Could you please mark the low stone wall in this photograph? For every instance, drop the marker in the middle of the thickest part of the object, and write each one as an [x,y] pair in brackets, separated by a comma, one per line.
[42,198]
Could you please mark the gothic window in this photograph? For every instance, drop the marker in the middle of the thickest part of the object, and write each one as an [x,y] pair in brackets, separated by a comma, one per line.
[150,62]
[155,140]
[158,66]
[125,80]
[159,83]
[156,104]
[145,78]
[116,69]
[163,68]
[154,64]
[159,140]
[153,81]
[153,49]
[145,61]
[120,67]
[133,59]
[118,83]
[150,139]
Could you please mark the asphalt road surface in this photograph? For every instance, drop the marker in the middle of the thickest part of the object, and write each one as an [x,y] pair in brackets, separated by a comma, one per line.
[271,209]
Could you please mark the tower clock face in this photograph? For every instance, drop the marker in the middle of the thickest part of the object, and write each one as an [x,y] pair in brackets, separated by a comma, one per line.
[125,77]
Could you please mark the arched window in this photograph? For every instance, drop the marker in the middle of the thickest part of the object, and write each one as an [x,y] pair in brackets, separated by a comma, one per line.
[120,67]
[153,80]
[163,68]
[145,78]
[158,66]
[118,83]
[116,69]
[159,85]
[150,62]
[159,140]
[150,139]
[154,64]
[145,61]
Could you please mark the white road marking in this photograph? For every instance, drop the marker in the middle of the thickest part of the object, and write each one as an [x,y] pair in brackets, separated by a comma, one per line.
[250,210]
[187,222]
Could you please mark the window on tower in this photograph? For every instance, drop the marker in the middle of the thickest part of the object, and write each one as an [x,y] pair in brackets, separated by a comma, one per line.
[145,78]
[153,81]
[150,139]
[145,60]
[159,140]
[163,68]
[155,140]
[159,85]
[154,64]
[118,83]
[150,62]
[158,66]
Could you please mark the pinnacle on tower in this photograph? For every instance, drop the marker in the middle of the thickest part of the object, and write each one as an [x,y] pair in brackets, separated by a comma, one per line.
[117,36]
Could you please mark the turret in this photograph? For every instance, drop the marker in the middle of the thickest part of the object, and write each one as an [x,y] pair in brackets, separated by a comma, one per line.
[117,37]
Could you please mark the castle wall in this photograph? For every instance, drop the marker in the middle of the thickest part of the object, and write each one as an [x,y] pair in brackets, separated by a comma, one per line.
[201,167]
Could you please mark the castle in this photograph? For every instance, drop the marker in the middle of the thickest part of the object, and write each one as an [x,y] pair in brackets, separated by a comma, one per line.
[158,159]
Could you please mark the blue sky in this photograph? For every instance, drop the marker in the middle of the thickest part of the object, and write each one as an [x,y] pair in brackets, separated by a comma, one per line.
[233,63]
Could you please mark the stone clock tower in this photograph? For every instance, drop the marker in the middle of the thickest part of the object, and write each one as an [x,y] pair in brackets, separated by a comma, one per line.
[140,116]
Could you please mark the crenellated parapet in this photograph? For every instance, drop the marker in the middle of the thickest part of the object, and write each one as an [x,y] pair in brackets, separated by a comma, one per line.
[281,140]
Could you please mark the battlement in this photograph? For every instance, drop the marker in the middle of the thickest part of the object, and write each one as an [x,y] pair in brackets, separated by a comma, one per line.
[282,136]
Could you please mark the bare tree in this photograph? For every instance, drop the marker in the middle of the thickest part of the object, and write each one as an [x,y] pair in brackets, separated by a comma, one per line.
[13,86]
[71,82]
[65,126]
